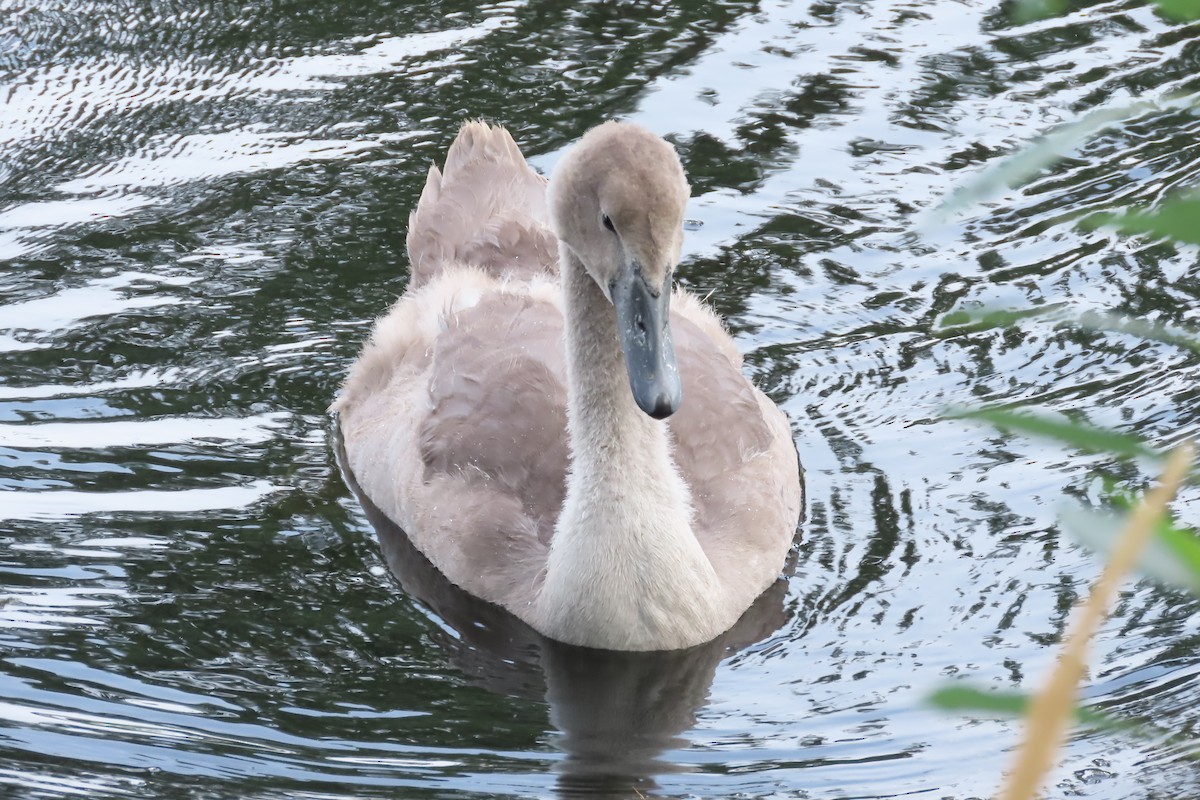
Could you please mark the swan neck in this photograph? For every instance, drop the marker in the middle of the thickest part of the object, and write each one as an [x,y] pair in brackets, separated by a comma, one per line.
[625,570]
[605,423]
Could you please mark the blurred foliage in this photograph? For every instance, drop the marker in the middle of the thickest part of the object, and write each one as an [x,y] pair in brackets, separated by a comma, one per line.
[1033,10]
[1183,10]
[1171,557]
[1049,712]
[1130,532]
[1076,434]
[962,698]
[1025,11]
[974,320]
[1177,218]
[1039,155]
[1028,161]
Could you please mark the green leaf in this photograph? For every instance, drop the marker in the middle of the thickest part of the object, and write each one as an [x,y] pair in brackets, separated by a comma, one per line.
[1183,10]
[1033,10]
[1171,558]
[1177,219]
[1185,544]
[960,697]
[1140,328]
[1076,434]
[965,699]
[1034,157]
[982,319]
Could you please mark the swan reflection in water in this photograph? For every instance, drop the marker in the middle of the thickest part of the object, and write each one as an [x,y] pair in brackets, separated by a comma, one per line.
[617,713]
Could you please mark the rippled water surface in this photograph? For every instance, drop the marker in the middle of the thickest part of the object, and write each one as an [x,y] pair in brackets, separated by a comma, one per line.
[202,208]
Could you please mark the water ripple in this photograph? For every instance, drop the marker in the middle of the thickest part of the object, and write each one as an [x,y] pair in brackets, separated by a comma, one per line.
[203,208]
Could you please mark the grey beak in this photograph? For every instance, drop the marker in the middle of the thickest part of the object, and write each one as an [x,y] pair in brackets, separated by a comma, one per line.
[643,323]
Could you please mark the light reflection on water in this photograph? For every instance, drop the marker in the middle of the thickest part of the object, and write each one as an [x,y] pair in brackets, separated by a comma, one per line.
[201,211]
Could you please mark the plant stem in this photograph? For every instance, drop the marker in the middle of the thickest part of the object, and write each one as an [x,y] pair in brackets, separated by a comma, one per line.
[1052,707]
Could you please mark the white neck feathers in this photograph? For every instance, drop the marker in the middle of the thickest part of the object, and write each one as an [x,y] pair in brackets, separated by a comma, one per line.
[625,570]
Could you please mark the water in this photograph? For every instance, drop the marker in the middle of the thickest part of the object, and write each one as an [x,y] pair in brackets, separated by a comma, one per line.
[202,208]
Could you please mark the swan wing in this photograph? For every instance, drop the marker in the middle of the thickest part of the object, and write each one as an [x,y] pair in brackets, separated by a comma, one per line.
[734,449]
[460,436]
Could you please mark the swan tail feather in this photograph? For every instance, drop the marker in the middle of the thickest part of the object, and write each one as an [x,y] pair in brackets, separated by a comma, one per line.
[485,208]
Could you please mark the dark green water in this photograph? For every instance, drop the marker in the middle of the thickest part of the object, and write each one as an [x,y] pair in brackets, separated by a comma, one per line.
[202,207]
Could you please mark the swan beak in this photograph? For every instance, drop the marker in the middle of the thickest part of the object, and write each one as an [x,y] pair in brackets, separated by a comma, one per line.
[643,323]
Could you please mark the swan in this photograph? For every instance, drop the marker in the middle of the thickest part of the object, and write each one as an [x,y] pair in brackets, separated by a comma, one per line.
[556,430]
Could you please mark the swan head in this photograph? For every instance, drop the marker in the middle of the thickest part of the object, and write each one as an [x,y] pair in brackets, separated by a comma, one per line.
[617,202]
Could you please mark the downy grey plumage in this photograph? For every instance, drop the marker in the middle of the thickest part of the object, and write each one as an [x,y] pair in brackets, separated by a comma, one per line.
[518,410]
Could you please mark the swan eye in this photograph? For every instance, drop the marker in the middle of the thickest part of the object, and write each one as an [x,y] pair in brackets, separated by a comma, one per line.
[608,222]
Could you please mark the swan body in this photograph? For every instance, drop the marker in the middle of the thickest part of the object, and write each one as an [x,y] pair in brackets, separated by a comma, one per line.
[554,428]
